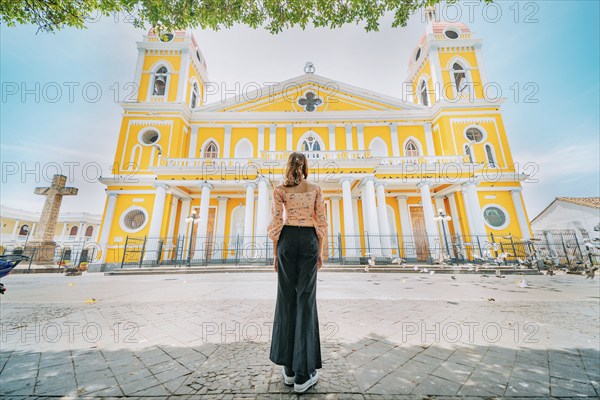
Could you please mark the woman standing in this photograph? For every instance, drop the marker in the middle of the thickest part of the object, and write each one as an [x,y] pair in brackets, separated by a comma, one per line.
[298,251]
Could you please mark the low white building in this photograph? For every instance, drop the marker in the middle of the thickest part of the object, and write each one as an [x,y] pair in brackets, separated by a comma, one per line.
[581,214]
[70,227]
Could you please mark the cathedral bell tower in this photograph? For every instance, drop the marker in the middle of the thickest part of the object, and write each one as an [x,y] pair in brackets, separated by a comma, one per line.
[170,69]
[446,65]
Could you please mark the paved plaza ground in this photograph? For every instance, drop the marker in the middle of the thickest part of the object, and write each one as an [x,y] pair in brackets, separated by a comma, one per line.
[384,336]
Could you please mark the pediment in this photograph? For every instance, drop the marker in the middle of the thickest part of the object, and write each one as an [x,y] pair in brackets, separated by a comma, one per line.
[310,93]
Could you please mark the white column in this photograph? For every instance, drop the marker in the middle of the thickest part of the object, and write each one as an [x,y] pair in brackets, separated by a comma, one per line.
[335,217]
[351,240]
[185,212]
[14,232]
[183,77]
[371,216]
[106,225]
[454,214]
[248,218]
[32,229]
[428,215]
[261,140]
[394,136]
[80,230]
[203,222]
[262,218]
[193,143]
[172,217]
[221,216]
[439,205]
[481,66]
[518,203]
[360,135]
[429,139]
[355,220]
[476,225]
[64,230]
[348,137]
[288,137]
[227,142]
[436,75]
[157,211]
[272,137]
[331,128]
[384,227]
[407,234]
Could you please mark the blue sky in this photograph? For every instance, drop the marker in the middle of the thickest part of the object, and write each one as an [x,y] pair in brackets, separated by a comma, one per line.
[556,57]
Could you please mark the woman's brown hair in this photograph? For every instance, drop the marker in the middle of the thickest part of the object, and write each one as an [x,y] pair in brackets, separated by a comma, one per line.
[297,166]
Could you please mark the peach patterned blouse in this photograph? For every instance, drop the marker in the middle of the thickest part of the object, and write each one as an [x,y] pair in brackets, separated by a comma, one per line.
[304,209]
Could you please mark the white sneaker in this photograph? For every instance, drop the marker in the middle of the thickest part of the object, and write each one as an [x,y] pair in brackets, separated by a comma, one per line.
[288,380]
[312,381]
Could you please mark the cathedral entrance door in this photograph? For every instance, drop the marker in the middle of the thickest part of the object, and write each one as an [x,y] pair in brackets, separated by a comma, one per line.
[419,233]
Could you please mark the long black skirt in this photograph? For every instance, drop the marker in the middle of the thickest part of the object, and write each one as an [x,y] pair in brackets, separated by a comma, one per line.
[296,343]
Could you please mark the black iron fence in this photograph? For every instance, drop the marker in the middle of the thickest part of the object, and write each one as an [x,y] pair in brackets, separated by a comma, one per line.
[566,247]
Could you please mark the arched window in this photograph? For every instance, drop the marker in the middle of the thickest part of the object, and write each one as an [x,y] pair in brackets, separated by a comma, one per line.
[194,96]
[423,95]
[310,144]
[243,149]
[411,149]
[460,78]
[469,153]
[24,230]
[73,231]
[89,231]
[474,134]
[378,148]
[489,154]
[160,82]
[211,150]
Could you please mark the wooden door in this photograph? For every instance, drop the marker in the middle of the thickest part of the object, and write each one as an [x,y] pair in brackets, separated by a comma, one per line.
[419,234]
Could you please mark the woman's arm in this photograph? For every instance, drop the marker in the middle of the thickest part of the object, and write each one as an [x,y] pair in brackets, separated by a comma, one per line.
[320,222]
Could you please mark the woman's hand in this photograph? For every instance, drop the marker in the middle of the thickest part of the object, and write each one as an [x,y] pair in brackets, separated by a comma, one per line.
[275,263]
[319,262]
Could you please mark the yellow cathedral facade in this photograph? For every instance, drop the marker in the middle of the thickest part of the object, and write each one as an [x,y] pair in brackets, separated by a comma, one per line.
[193,181]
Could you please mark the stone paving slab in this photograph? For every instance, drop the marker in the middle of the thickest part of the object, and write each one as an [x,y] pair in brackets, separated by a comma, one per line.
[383,337]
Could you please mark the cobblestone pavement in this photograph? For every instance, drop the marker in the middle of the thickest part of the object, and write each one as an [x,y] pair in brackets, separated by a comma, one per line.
[384,336]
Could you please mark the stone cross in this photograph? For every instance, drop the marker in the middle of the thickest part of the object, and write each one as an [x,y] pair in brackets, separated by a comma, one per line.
[54,195]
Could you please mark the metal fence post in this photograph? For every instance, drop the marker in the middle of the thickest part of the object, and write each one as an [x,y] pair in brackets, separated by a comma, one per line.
[237,248]
[142,253]
[124,251]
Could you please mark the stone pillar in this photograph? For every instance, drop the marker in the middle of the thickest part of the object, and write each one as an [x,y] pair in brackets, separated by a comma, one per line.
[107,224]
[394,136]
[439,205]
[272,137]
[335,217]
[15,229]
[80,230]
[331,129]
[203,222]
[288,138]
[262,212]
[33,229]
[249,219]
[407,234]
[351,241]
[261,140]
[360,136]
[227,142]
[428,215]
[384,228]
[520,210]
[430,149]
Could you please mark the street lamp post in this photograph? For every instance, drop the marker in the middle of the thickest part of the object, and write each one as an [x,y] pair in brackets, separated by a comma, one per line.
[26,229]
[441,217]
[192,220]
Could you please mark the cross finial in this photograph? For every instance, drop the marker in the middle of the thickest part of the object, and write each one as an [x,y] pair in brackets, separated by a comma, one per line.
[309,68]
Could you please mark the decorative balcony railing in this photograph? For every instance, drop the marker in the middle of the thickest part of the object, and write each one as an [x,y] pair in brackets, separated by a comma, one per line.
[280,157]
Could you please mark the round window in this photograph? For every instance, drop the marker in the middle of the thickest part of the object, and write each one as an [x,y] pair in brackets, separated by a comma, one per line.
[418,54]
[450,34]
[134,219]
[474,135]
[166,37]
[495,217]
[149,137]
